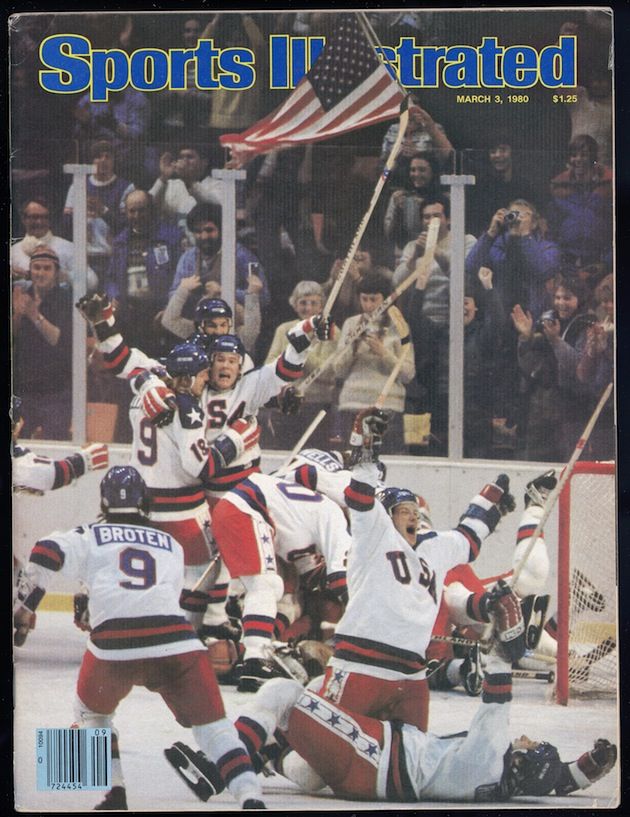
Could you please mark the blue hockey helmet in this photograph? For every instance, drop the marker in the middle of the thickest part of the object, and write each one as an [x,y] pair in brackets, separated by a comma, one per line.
[124,491]
[209,308]
[228,343]
[391,497]
[186,359]
[532,772]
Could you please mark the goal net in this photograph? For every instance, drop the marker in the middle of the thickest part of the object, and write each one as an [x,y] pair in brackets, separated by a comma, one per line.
[587,583]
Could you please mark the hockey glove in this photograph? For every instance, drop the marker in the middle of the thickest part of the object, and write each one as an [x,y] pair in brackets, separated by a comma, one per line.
[588,768]
[81,612]
[366,436]
[324,328]
[498,493]
[248,430]
[290,401]
[158,403]
[238,438]
[509,626]
[95,456]
[97,310]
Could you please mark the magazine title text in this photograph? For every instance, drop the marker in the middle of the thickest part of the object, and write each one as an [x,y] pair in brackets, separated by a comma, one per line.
[72,65]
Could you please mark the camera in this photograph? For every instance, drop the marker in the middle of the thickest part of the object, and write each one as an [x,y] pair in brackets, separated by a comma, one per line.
[511,217]
[549,315]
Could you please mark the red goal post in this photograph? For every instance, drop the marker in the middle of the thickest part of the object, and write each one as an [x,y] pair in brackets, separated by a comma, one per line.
[587,662]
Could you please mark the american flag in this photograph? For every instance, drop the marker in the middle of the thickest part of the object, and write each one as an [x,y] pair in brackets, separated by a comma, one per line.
[347,88]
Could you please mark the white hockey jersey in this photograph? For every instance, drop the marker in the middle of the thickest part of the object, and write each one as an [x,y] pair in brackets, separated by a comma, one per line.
[35,473]
[134,575]
[320,471]
[305,523]
[251,391]
[395,589]
[443,768]
[170,459]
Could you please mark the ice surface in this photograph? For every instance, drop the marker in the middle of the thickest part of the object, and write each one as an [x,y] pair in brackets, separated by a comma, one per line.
[46,669]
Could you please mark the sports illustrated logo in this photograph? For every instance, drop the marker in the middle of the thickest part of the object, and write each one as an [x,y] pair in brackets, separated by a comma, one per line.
[71,65]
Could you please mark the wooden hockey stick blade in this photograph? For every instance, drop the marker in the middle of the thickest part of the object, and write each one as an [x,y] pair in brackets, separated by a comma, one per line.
[203,580]
[380,400]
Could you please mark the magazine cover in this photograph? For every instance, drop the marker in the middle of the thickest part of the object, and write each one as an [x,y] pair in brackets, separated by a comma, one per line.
[313,410]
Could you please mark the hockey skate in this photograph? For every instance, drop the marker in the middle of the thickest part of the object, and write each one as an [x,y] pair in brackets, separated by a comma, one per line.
[202,776]
[115,800]
[534,611]
[198,773]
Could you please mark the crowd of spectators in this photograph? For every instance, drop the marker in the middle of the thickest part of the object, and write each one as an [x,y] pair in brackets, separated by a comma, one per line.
[538,310]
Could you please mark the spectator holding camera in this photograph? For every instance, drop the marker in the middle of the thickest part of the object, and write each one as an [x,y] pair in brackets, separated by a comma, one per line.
[522,259]
[549,350]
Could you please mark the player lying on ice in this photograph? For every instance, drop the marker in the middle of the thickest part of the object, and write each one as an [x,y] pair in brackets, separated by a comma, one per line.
[362,758]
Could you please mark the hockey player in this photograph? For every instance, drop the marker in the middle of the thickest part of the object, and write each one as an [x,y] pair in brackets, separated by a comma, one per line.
[264,517]
[36,474]
[213,317]
[395,580]
[177,462]
[228,396]
[230,393]
[362,758]
[465,598]
[139,637]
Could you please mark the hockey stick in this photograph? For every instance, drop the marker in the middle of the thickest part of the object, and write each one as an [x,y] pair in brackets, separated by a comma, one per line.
[380,400]
[536,675]
[203,580]
[389,165]
[553,496]
[422,264]
[314,423]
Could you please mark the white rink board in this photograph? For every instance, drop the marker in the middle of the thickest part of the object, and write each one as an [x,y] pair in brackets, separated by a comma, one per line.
[447,487]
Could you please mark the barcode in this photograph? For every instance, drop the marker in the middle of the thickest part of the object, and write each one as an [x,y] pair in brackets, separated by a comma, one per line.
[69,759]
